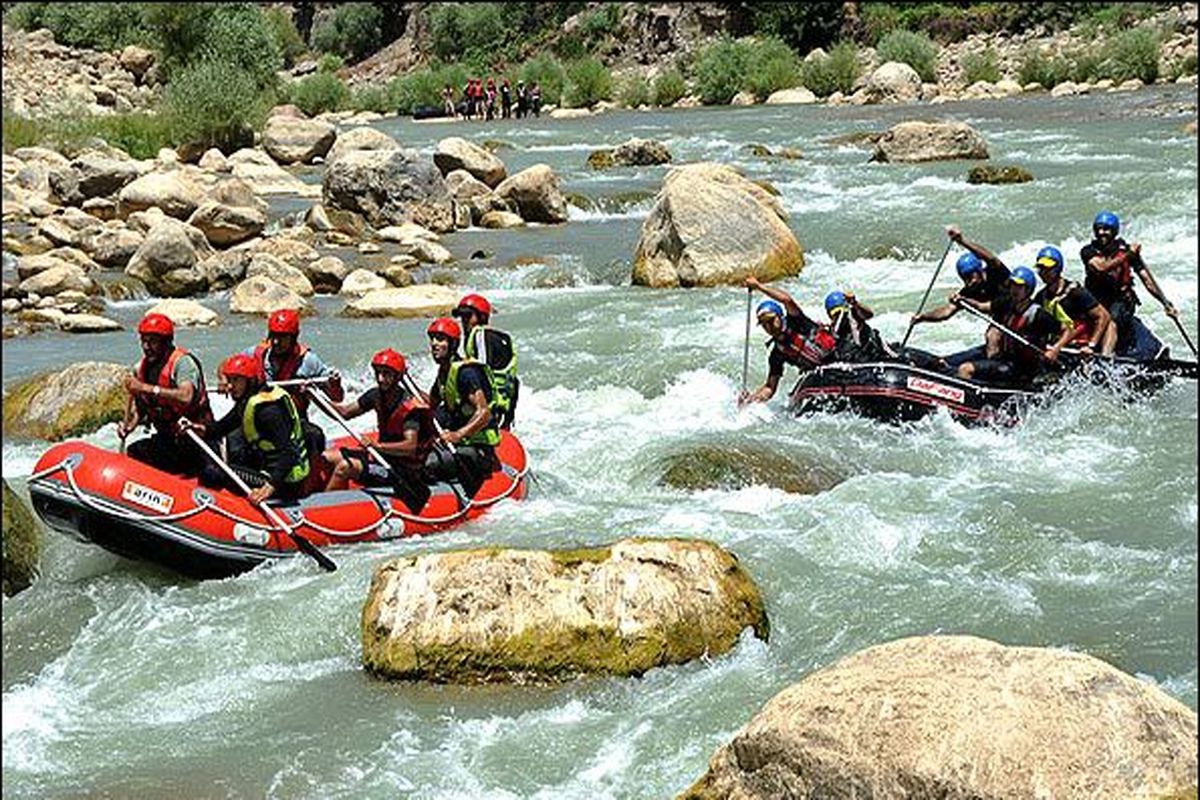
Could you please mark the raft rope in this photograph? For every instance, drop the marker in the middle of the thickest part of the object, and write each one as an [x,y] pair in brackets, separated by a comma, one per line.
[205,503]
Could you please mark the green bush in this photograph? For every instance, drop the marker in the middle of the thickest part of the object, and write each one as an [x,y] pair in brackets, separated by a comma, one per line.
[330,62]
[549,73]
[371,97]
[472,32]
[1185,67]
[722,71]
[1133,54]
[878,20]
[1087,65]
[424,87]
[772,66]
[287,38]
[352,30]
[983,66]
[915,49]
[101,26]
[236,35]
[634,92]
[1038,68]
[595,26]
[214,104]
[669,87]
[318,93]
[588,82]
[835,72]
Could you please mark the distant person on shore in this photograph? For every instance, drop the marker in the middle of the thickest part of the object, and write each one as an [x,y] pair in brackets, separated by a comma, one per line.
[522,100]
[505,99]
[468,99]
[795,339]
[490,100]
[1109,265]
[448,101]
[535,98]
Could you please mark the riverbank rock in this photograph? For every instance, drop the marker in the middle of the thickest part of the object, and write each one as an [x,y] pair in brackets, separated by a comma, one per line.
[634,153]
[227,225]
[911,142]
[87,323]
[175,195]
[186,313]
[262,174]
[361,139]
[423,300]
[736,466]
[894,82]
[361,281]
[166,260]
[389,187]
[711,226]
[986,173]
[500,220]
[70,402]
[261,295]
[536,194]
[958,716]
[292,140]
[796,96]
[456,153]
[22,543]
[512,615]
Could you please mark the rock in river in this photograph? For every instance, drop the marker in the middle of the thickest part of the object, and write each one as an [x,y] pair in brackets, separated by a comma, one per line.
[22,543]
[930,141]
[70,402]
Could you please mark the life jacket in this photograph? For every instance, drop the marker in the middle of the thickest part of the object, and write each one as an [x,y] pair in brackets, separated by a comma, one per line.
[1082,329]
[813,351]
[504,376]
[1017,323]
[286,372]
[391,424]
[276,394]
[163,413]
[460,408]
[1116,282]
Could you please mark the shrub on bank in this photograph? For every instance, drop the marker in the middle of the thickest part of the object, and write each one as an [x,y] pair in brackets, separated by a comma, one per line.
[424,87]
[287,38]
[771,66]
[317,93]
[1185,67]
[100,26]
[835,72]
[635,91]
[915,49]
[371,97]
[721,71]
[546,71]
[669,87]
[214,104]
[1133,54]
[1049,71]
[982,66]
[588,82]
[351,30]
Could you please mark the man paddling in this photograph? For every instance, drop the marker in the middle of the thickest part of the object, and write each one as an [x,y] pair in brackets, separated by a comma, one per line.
[1009,361]
[1085,322]
[795,339]
[857,342]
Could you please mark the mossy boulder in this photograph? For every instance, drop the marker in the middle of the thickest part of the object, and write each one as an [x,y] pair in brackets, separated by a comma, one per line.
[498,615]
[71,402]
[22,543]
[736,466]
[758,150]
[959,717]
[985,173]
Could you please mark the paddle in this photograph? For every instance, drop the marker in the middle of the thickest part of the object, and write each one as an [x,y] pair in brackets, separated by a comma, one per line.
[912,322]
[411,385]
[303,382]
[746,346]
[271,514]
[413,497]
[1009,332]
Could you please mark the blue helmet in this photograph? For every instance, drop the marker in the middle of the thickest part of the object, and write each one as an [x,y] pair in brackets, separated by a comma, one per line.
[968,264]
[773,307]
[1107,219]
[1024,276]
[835,299]
[1051,258]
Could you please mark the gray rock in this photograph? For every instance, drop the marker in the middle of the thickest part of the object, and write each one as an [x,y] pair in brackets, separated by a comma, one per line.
[388,187]
[261,295]
[929,141]
[536,194]
[455,153]
[297,141]
[227,225]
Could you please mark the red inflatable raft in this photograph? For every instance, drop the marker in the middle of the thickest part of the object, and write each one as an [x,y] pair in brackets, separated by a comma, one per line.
[139,512]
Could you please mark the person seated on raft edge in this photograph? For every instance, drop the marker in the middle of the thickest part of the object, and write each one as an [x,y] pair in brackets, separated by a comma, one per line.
[275,460]
[857,342]
[461,399]
[1010,362]
[1086,324]
[166,385]
[985,278]
[795,339]
[494,347]
[1109,263]
[404,423]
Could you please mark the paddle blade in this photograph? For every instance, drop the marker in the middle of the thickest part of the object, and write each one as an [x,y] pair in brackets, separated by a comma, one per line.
[311,550]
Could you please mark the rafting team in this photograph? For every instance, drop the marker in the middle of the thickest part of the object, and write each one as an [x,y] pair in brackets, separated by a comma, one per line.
[1030,329]
[446,434]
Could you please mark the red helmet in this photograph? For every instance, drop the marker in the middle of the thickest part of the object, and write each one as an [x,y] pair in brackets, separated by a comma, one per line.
[243,366]
[285,320]
[444,326]
[159,324]
[474,302]
[391,359]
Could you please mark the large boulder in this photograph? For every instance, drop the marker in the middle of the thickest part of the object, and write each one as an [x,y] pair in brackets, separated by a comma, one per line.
[289,140]
[711,226]
[22,543]
[70,227]
[88,323]
[100,175]
[958,716]
[280,272]
[496,614]
[63,278]
[423,300]
[227,225]
[797,96]
[536,194]
[170,191]
[263,175]
[112,247]
[457,153]
[71,402]
[166,261]
[894,81]
[186,313]
[326,274]
[361,281]
[361,139]
[474,194]
[911,142]
[388,187]
[261,295]
[633,153]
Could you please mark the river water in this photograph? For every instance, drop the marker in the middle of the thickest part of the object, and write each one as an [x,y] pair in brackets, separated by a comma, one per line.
[1076,529]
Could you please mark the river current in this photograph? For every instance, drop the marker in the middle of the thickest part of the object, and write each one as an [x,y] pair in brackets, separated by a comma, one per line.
[1076,529]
